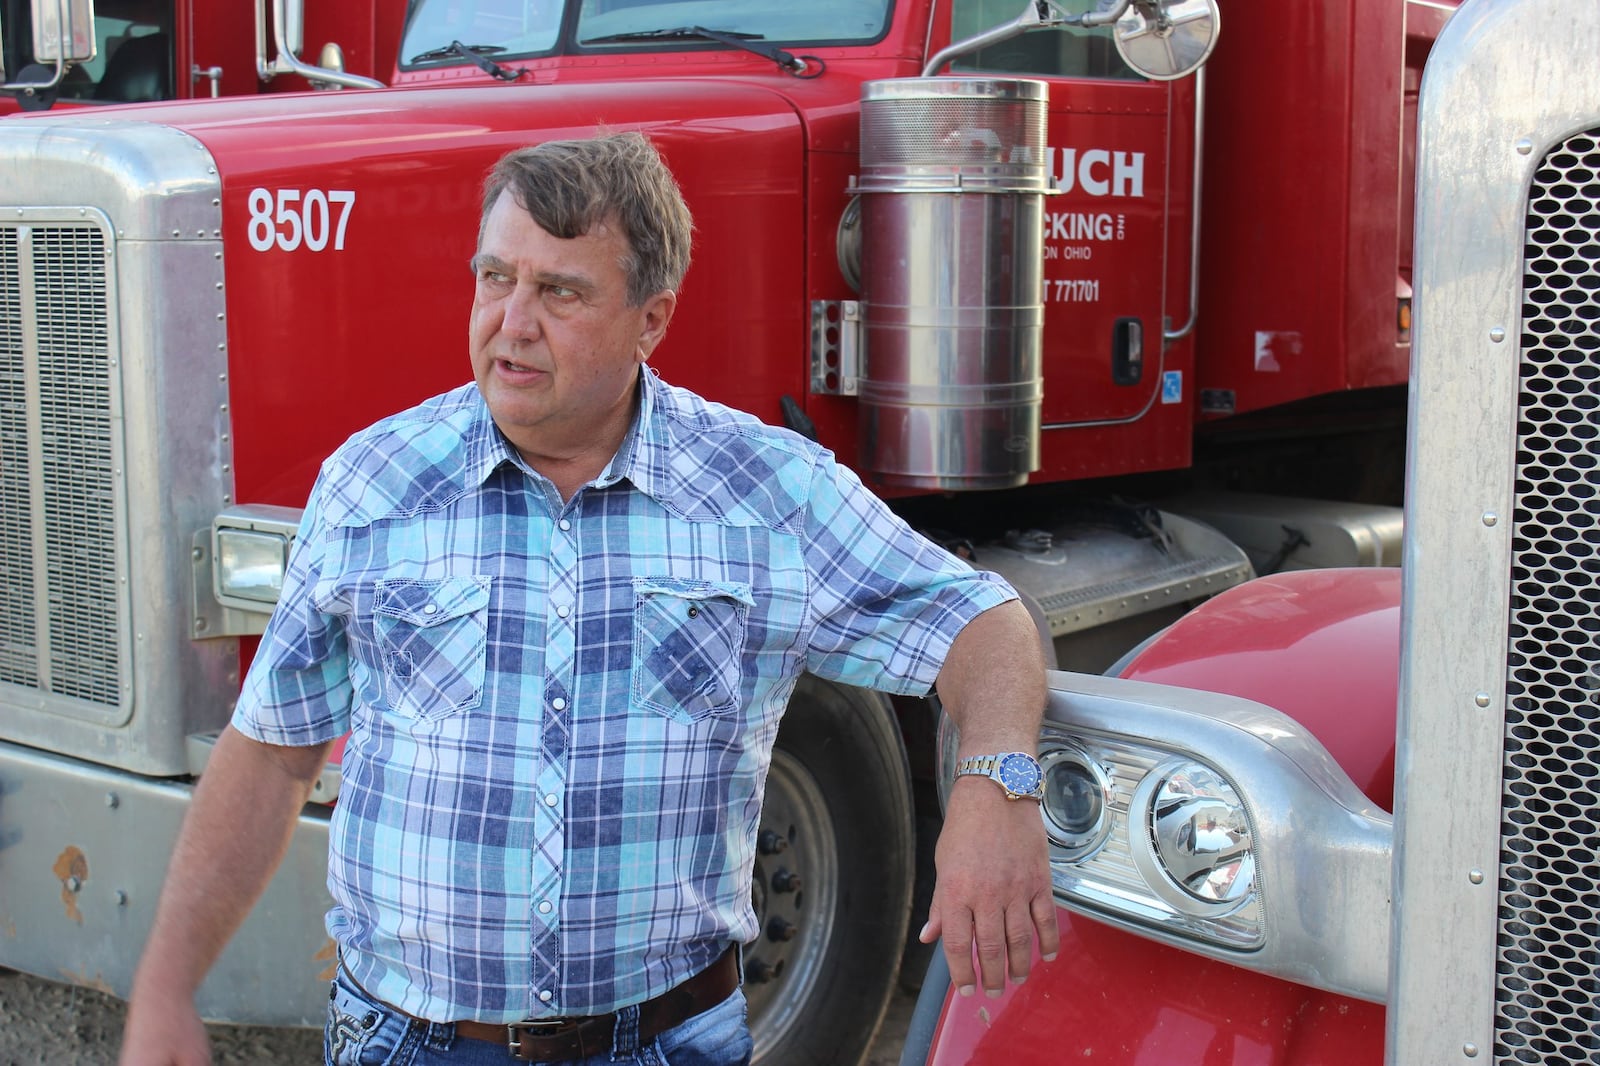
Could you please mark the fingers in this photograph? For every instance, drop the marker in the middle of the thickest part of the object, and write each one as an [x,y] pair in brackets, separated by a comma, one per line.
[957,937]
[1043,913]
[1019,941]
[990,947]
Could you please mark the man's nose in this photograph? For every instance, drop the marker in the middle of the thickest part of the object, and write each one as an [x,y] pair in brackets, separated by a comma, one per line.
[519,317]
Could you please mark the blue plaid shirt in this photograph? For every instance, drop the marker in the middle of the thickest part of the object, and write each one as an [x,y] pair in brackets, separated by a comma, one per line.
[561,715]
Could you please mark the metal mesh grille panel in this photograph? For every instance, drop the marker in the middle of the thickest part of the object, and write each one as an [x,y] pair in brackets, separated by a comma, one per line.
[18,644]
[59,628]
[1548,965]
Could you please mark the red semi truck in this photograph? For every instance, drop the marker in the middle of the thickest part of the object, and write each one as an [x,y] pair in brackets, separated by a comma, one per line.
[1265,866]
[1110,301]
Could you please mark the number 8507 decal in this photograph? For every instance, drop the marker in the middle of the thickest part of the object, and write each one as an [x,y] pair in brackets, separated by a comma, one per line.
[291,218]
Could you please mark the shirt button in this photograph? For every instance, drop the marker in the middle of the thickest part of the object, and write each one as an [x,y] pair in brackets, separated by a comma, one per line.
[546,996]
[565,525]
[563,610]
[551,800]
[559,704]
[544,906]
[432,608]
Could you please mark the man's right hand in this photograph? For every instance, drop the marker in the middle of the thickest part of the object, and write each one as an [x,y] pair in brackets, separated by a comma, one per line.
[163,1031]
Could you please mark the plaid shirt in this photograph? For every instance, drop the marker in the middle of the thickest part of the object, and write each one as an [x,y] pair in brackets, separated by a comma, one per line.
[561,715]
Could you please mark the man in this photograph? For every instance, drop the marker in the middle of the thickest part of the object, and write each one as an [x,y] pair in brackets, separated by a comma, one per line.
[560,612]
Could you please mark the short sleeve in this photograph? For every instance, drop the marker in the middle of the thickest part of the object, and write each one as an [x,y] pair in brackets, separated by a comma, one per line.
[886,602]
[297,691]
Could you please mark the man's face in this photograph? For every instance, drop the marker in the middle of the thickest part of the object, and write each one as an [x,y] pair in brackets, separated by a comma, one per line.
[555,346]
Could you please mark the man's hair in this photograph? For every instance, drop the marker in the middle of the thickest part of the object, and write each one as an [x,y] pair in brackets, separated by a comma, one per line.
[614,179]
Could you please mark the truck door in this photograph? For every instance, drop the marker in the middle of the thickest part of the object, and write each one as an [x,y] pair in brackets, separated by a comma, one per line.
[1110,137]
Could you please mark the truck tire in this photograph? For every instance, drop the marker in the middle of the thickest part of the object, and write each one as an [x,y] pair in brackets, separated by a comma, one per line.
[833,875]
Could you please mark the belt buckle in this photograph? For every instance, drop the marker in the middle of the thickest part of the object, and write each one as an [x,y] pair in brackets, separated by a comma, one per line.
[536,1029]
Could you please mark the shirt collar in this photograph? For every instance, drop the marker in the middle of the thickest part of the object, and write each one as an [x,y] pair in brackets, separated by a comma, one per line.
[486,447]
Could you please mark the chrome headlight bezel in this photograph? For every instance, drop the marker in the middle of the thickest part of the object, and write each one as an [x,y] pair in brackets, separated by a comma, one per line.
[1319,908]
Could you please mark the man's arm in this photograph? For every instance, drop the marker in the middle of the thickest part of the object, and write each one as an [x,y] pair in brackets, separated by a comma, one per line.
[234,837]
[993,887]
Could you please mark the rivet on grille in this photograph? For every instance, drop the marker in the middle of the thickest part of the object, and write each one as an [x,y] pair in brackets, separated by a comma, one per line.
[1475,876]
[1524,146]
[1490,518]
[1481,699]
[1470,1050]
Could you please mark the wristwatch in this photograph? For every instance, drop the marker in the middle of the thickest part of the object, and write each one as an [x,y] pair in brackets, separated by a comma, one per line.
[1015,771]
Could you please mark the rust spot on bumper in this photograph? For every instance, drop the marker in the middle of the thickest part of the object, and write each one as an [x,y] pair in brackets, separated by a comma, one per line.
[72,870]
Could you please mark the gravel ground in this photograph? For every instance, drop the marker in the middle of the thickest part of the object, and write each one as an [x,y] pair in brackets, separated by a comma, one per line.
[42,1022]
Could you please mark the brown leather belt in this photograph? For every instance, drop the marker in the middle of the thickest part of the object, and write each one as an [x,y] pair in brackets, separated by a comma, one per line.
[559,1039]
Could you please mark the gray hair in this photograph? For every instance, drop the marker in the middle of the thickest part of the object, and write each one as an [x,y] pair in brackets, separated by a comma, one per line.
[619,179]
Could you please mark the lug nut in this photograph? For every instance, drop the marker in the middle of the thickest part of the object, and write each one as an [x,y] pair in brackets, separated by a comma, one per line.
[771,842]
[785,881]
[757,972]
[781,930]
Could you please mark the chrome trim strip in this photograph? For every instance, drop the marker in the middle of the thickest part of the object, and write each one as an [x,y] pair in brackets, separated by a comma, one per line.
[1505,81]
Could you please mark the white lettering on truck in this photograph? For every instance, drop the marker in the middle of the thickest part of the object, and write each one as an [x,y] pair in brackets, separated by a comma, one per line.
[1098,172]
[291,218]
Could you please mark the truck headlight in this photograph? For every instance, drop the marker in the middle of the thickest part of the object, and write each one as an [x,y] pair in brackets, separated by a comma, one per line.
[1198,833]
[250,546]
[1077,803]
[250,565]
[1143,836]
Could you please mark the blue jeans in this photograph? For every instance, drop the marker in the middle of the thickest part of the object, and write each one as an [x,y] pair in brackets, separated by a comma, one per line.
[362,1031]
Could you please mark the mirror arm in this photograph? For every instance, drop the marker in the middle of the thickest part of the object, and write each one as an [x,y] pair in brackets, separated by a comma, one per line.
[38,86]
[1103,18]
[287,62]
[1037,15]
[64,28]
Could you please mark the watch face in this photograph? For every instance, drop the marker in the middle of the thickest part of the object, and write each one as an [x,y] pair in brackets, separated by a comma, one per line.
[1019,773]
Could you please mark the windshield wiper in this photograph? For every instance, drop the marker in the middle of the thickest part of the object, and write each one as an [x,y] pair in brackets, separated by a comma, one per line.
[682,33]
[809,67]
[478,54]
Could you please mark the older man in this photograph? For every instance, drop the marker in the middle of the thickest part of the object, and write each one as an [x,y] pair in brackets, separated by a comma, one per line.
[560,611]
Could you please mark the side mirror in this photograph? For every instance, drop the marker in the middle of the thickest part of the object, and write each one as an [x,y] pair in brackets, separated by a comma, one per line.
[1167,39]
[63,31]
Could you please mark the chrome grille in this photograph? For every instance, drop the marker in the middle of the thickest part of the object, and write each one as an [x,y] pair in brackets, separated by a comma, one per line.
[59,585]
[1547,991]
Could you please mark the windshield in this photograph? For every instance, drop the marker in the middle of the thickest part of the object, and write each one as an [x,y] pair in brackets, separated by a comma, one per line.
[503,28]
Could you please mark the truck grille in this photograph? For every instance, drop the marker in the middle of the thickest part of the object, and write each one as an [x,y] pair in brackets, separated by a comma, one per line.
[1547,989]
[59,587]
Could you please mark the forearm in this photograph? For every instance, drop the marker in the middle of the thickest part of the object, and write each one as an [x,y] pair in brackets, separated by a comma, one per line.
[992,683]
[234,837]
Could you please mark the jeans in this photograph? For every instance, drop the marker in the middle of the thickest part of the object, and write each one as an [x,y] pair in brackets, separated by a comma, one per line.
[362,1031]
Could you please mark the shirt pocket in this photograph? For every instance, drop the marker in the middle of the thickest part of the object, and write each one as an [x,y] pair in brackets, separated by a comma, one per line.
[688,642]
[434,639]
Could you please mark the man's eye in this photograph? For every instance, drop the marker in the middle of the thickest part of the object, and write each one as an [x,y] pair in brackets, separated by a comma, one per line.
[560,292]
[493,277]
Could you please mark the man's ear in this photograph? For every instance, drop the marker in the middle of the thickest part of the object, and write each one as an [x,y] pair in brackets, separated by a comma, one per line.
[657,312]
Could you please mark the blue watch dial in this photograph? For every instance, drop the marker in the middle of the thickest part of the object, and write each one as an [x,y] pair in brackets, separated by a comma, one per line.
[1018,773]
